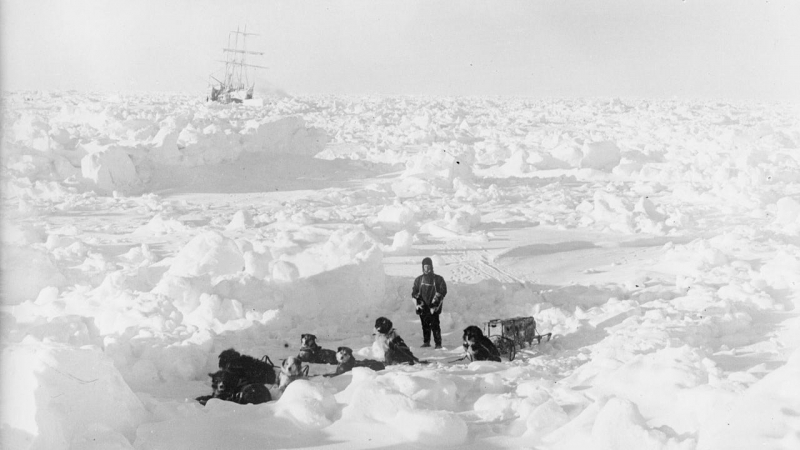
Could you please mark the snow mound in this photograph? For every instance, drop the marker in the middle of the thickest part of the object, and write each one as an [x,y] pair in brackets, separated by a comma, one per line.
[287,135]
[415,406]
[764,416]
[603,156]
[111,170]
[26,271]
[209,253]
[309,405]
[619,425]
[54,395]
[395,217]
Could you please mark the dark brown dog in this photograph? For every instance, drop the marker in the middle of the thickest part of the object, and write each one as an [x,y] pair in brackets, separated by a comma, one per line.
[216,381]
[229,386]
[311,352]
[260,371]
[478,346]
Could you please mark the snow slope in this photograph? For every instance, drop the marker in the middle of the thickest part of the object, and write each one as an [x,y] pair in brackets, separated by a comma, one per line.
[659,241]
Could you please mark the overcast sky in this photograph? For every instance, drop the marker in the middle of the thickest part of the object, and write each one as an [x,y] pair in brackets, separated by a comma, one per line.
[726,49]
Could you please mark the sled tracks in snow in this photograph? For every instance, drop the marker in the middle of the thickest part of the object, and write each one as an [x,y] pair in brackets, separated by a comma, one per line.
[476,265]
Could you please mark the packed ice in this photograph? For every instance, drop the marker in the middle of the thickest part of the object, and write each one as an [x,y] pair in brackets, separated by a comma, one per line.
[657,240]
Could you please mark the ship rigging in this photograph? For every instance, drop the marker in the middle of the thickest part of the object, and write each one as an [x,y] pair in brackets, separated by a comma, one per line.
[236,84]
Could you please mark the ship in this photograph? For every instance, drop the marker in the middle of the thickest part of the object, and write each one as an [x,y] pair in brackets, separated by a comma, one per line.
[237,83]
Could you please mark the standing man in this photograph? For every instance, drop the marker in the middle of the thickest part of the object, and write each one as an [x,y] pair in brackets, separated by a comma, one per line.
[428,292]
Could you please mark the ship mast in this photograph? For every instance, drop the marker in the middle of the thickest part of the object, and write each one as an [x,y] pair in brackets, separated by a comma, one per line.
[236,84]
[236,60]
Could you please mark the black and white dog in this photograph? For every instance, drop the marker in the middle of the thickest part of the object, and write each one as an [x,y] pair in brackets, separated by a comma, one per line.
[229,386]
[396,351]
[346,362]
[478,346]
[311,352]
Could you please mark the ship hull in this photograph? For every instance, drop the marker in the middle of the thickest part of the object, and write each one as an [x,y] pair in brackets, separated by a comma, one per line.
[223,95]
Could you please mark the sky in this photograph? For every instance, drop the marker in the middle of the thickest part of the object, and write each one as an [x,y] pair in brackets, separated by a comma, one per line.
[722,49]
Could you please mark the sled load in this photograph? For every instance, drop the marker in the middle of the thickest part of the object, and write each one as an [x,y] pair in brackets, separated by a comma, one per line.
[510,334]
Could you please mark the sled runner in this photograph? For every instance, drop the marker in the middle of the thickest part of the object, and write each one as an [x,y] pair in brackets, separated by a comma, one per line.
[508,334]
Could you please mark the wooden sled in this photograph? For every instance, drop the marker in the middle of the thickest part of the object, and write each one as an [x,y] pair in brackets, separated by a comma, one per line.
[510,334]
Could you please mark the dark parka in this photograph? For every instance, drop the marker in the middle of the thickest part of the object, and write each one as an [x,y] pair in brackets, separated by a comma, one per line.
[429,291]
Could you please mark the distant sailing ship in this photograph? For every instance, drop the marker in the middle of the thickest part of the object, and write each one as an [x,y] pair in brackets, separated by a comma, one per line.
[236,85]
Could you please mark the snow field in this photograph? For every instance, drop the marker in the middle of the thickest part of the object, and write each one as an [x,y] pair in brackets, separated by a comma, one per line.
[120,289]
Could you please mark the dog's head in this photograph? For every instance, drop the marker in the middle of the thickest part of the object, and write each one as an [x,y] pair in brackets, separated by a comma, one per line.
[216,381]
[471,334]
[227,357]
[292,366]
[308,340]
[383,325]
[344,354]
[221,382]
